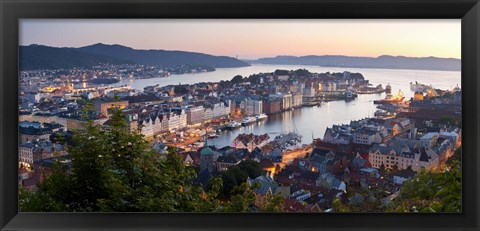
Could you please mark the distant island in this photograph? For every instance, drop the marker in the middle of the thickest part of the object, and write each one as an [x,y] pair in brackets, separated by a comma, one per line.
[384,61]
[35,57]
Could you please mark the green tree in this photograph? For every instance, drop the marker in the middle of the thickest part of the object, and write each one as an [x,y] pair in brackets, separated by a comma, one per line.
[55,189]
[243,197]
[237,175]
[432,192]
[281,72]
[274,204]
[338,206]
[448,120]
[237,79]
[113,170]
[180,89]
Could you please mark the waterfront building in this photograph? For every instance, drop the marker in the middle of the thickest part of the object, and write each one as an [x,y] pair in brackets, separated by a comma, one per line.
[177,119]
[286,100]
[297,100]
[221,109]
[195,115]
[156,122]
[208,114]
[251,106]
[327,86]
[309,91]
[272,105]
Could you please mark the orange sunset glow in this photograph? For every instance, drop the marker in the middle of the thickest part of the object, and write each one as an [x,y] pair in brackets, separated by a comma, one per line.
[249,39]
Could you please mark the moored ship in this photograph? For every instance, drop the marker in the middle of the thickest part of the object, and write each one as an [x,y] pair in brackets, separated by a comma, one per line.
[233,124]
[248,120]
[261,116]
[418,87]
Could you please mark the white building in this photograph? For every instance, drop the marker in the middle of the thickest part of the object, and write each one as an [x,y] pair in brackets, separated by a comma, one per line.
[208,114]
[327,86]
[221,109]
[297,100]
[177,120]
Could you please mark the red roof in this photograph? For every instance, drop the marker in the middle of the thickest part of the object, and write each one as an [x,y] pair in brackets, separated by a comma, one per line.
[293,205]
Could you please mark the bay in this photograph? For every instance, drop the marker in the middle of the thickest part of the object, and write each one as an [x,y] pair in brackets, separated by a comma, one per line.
[312,121]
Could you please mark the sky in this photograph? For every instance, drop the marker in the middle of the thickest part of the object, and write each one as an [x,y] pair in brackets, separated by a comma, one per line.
[251,39]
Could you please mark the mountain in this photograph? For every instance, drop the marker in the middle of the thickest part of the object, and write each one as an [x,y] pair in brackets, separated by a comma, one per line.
[384,61]
[35,57]
[44,57]
[162,57]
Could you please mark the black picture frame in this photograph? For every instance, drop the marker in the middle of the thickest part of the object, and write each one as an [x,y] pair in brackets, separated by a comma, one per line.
[13,10]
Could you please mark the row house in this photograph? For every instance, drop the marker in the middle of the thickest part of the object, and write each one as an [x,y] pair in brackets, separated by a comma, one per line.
[157,122]
[177,119]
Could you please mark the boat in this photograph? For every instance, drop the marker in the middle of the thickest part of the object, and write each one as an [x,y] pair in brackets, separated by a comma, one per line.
[248,120]
[212,135]
[261,116]
[350,95]
[418,87]
[398,98]
[233,124]
[370,89]
[384,114]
